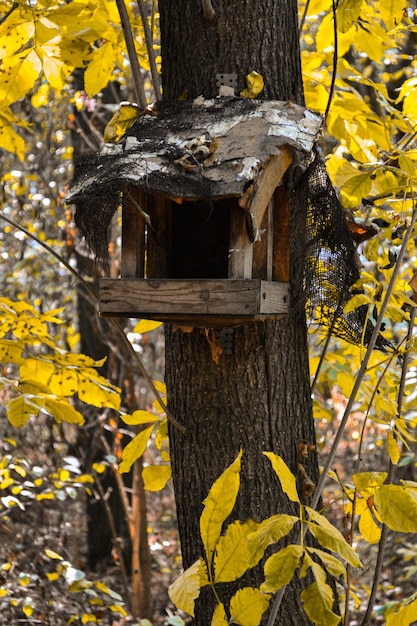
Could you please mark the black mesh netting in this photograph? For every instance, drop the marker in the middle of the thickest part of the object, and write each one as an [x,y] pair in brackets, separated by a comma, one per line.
[324,258]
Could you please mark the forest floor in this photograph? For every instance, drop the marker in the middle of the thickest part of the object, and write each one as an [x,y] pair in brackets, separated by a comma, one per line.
[44,577]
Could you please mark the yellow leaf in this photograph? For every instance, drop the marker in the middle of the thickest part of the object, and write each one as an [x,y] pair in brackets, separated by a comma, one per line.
[52,576]
[368,527]
[355,189]
[15,33]
[116,608]
[355,302]
[391,12]
[247,606]
[24,580]
[317,601]
[139,417]
[369,480]
[160,386]
[254,85]
[331,538]
[19,74]
[155,477]
[10,140]
[19,410]
[270,531]
[94,389]
[331,563]
[397,508]
[219,616]
[280,567]
[88,617]
[348,12]
[393,448]
[285,476]
[53,555]
[184,591]
[218,506]
[62,411]
[27,609]
[233,557]
[121,121]
[37,369]
[135,449]
[10,351]
[63,382]
[100,68]
[405,615]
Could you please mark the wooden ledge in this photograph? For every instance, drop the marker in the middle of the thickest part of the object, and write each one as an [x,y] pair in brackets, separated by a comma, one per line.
[199,302]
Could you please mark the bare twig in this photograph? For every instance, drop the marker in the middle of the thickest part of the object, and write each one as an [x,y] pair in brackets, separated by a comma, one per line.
[355,390]
[390,479]
[151,51]
[335,59]
[9,12]
[113,321]
[133,57]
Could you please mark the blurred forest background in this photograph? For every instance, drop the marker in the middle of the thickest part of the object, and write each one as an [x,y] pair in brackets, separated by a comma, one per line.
[81,543]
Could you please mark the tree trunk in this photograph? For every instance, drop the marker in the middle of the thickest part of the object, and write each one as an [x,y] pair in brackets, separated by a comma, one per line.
[257,397]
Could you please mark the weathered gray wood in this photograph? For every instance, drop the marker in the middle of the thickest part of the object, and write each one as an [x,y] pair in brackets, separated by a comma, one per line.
[185,300]
[133,235]
[240,247]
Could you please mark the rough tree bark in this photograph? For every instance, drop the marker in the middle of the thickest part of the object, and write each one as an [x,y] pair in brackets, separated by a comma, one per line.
[258,397]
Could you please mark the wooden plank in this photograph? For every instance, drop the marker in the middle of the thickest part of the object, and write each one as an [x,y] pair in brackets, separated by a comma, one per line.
[281,248]
[240,247]
[256,198]
[263,247]
[158,242]
[133,235]
[186,299]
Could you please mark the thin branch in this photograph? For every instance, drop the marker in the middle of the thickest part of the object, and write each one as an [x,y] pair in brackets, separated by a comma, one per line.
[133,57]
[303,18]
[9,12]
[113,321]
[355,390]
[390,479]
[151,51]
[335,59]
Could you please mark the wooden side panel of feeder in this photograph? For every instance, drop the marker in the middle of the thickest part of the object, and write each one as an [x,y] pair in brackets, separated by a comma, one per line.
[210,303]
[158,243]
[133,235]
[240,246]
[281,234]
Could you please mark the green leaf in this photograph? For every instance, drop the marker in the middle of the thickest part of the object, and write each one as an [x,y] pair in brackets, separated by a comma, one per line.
[397,508]
[135,449]
[184,591]
[270,531]
[285,476]
[233,557]
[247,606]
[218,506]
[280,567]
[155,477]
[331,538]
[317,601]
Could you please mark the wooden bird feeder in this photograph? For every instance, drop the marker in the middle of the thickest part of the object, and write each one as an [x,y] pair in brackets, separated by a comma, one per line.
[206,210]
